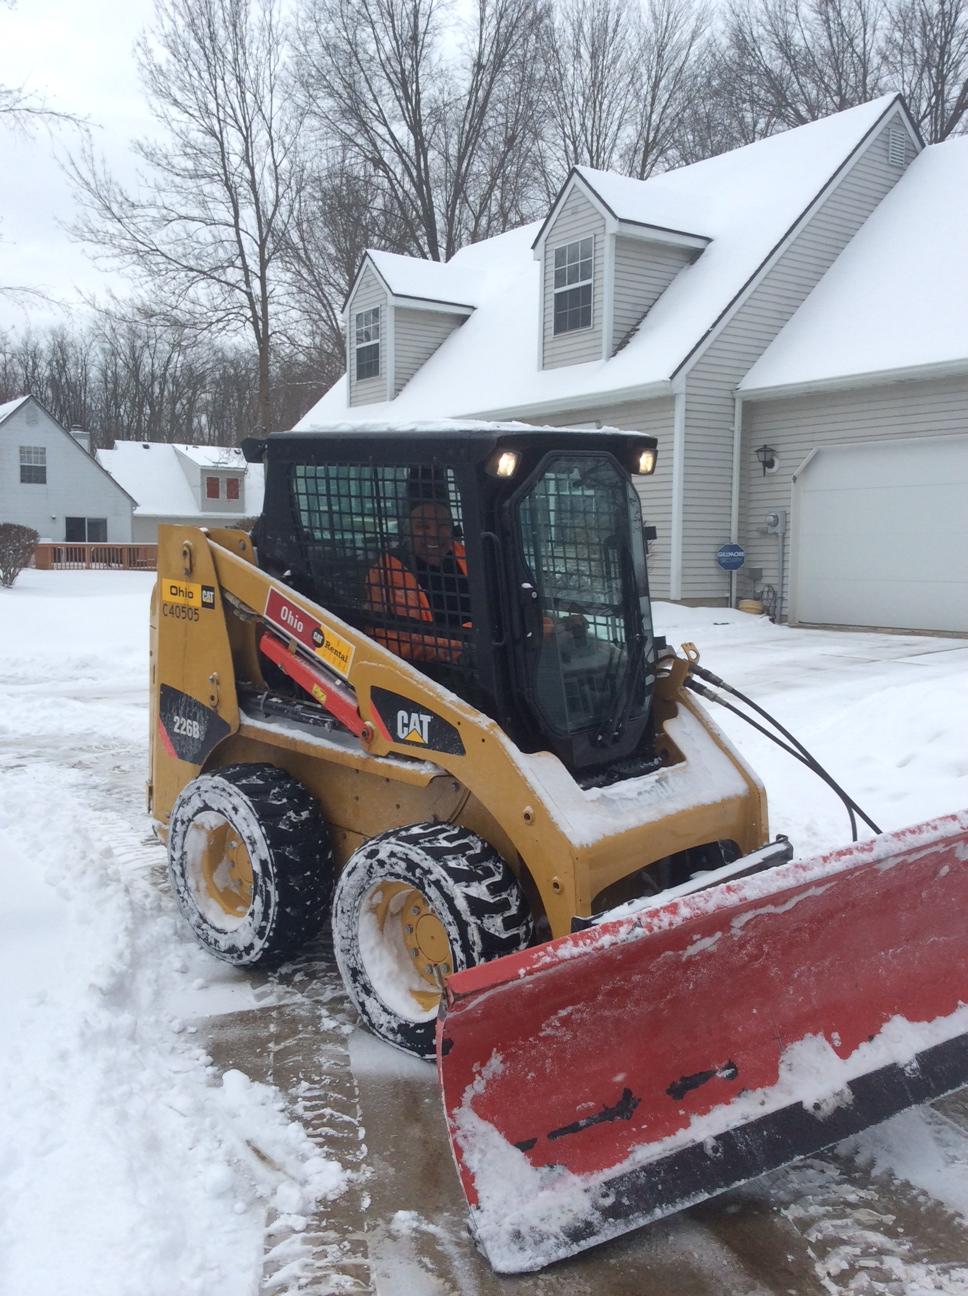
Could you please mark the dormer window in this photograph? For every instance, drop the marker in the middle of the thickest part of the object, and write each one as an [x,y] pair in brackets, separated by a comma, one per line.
[367,324]
[573,286]
[211,488]
[232,488]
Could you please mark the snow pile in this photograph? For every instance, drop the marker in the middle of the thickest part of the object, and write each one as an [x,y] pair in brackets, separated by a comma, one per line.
[127,1163]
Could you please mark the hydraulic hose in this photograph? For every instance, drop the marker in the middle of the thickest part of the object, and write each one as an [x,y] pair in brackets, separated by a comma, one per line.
[795,747]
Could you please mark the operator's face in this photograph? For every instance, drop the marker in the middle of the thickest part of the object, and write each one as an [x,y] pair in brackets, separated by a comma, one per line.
[431,532]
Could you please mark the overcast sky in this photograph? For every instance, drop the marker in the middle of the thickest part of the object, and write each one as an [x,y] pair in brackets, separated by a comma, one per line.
[79,55]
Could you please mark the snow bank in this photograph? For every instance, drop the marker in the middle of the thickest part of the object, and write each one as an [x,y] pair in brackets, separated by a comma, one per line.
[127,1163]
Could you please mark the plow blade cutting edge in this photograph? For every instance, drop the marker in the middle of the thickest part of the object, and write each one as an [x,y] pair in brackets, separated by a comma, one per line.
[619,1074]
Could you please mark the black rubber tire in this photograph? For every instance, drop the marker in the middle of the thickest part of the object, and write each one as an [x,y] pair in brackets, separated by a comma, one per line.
[280,825]
[469,888]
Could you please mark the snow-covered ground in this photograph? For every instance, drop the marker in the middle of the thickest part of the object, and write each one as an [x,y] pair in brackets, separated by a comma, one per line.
[134,1160]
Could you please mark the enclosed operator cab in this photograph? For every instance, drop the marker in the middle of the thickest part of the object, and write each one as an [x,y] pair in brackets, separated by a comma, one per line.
[509,565]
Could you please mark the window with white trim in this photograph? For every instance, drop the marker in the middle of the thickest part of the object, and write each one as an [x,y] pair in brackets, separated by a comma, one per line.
[33,465]
[573,286]
[367,328]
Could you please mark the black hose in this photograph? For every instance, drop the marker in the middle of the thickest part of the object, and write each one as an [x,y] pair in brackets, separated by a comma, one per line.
[710,696]
[806,757]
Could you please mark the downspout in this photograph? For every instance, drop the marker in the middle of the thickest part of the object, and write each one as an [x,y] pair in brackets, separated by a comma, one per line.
[678,492]
[735,489]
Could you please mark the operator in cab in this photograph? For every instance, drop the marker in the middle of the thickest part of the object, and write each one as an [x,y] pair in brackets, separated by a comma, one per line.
[423,581]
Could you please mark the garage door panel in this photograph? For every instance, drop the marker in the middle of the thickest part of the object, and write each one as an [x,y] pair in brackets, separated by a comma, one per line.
[881,536]
[903,604]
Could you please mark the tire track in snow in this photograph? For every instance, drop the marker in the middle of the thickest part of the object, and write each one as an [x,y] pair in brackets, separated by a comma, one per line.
[294,1038]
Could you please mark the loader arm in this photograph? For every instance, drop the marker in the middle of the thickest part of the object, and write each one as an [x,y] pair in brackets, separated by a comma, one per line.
[573,843]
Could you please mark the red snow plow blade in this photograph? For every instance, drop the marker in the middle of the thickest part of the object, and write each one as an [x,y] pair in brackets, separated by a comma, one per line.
[619,1074]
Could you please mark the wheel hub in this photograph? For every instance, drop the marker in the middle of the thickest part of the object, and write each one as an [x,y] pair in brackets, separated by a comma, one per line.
[226,869]
[407,919]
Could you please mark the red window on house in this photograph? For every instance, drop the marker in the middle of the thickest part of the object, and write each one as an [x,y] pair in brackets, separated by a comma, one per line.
[211,488]
[232,488]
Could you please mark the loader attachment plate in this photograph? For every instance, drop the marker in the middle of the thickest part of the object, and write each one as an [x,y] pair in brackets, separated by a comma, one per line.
[619,1074]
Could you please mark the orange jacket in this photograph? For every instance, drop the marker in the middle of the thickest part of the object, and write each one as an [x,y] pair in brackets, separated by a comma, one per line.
[394,592]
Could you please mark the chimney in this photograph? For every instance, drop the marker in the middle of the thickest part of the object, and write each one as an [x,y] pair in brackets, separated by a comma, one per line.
[82,438]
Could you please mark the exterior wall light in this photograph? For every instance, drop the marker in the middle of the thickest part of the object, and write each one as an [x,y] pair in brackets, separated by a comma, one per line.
[767,457]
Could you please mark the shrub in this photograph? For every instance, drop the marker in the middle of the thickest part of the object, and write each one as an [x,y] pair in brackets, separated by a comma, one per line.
[16,550]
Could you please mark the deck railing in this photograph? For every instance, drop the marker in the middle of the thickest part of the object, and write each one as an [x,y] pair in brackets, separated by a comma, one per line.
[75,557]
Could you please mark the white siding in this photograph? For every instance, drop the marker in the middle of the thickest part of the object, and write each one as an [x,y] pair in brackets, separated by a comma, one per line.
[797,425]
[654,418]
[369,293]
[76,485]
[709,407]
[577,219]
[416,336]
[643,271]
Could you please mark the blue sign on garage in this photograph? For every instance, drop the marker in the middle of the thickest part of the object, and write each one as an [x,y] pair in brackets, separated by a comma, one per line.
[731,556]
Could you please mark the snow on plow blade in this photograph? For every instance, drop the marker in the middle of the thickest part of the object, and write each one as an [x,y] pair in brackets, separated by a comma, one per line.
[620,1074]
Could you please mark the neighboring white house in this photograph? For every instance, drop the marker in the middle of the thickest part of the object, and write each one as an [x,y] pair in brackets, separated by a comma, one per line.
[191,484]
[644,305]
[50,482]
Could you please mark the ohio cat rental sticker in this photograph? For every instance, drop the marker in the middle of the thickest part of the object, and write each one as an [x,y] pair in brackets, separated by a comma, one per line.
[330,647]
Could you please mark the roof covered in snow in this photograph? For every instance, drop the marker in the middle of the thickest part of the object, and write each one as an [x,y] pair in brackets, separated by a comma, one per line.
[745,202]
[897,296]
[165,478]
[430,281]
[10,406]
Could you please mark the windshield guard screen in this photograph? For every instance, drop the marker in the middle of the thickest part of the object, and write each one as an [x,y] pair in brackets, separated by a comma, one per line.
[579,522]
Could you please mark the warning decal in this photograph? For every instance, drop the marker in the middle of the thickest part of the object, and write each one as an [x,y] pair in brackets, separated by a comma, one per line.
[331,648]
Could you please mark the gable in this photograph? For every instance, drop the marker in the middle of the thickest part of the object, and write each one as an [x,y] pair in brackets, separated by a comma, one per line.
[575,220]
[369,294]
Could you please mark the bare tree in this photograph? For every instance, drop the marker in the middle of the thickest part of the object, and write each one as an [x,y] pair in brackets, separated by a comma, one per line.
[436,137]
[590,53]
[798,60]
[204,231]
[671,49]
[926,53]
[622,76]
[23,109]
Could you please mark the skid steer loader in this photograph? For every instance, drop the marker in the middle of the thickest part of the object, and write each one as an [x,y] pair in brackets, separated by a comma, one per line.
[424,703]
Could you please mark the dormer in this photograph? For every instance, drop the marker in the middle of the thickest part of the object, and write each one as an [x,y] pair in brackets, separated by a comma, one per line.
[397,313]
[216,476]
[606,259]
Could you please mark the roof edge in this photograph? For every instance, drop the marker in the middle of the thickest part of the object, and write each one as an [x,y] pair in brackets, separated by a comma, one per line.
[647,391]
[694,353]
[17,403]
[573,174]
[843,382]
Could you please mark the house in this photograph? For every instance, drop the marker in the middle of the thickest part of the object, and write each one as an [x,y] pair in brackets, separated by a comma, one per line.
[644,305]
[190,484]
[49,480]
[862,403]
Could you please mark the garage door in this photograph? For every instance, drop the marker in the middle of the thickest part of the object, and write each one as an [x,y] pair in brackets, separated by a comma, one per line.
[880,536]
